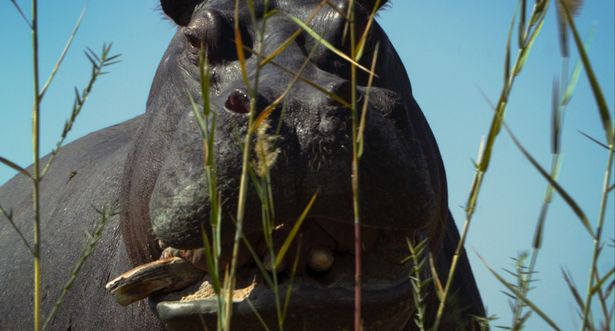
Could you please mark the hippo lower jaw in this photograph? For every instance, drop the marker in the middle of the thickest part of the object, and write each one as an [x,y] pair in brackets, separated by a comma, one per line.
[313,306]
[185,299]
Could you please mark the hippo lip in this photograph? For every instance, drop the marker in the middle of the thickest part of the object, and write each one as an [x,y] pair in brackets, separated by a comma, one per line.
[308,298]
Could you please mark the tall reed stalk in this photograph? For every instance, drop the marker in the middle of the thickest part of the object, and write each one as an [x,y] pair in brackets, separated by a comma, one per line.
[529,32]
[37,173]
[36,177]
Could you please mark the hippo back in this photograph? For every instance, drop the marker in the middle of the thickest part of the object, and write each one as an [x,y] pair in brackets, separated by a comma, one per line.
[85,176]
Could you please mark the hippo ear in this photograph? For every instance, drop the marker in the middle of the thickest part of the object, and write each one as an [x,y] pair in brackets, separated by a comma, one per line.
[369,4]
[180,11]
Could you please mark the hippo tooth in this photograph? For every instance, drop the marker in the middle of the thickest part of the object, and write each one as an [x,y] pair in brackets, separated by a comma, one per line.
[268,264]
[161,276]
[320,258]
[196,257]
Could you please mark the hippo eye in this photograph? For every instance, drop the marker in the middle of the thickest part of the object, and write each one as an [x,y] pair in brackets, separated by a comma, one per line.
[193,40]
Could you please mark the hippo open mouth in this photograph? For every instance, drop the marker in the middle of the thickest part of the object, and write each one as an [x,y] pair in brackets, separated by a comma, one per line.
[317,276]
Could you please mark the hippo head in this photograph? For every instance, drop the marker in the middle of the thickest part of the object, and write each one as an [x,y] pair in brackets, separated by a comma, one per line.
[165,195]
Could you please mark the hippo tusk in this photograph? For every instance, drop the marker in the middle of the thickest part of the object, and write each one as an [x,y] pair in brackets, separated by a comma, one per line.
[320,258]
[161,276]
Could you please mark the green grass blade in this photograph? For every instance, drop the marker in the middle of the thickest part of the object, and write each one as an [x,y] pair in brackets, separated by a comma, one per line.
[105,216]
[573,288]
[569,200]
[556,119]
[200,120]
[594,139]
[526,51]
[361,44]
[576,73]
[602,281]
[239,46]
[258,315]
[293,232]
[363,120]
[15,167]
[520,295]
[209,259]
[9,217]
[333,96]
[522,23]
[538,234]
[507,56]
[292,37]
[270,108]
[593,81]
[325,43]
[435,277]
[290,282]
[21,13]
[69,42]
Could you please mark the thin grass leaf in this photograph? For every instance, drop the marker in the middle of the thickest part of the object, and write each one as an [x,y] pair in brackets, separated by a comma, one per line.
[574,6]
[15,167]
[259,262]
[522,34]
[496,123]
[331,95]
[105,216]
[292,278]
[293,232]
[576,73]
[200,120]
[435,277]
[241,57]
[325,43]
[593,139]
[602,300]
[292,37]
[204,76]
[508,42]
[209,259]
[69,42]
[363,120]
[80,99]
[417,254]
[573,288]
[602,281]
[539,11]
[569,200]
[520,295]
[548,198]
[598,95]
[370,20]
[525,52]
[556,119]
[258,315]
[21,13]
[262,117]
[9,217]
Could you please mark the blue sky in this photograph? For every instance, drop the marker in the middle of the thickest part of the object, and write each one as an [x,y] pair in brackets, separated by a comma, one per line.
[451,49]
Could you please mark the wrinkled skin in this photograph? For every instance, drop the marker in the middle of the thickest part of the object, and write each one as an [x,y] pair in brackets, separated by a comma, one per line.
[156,174]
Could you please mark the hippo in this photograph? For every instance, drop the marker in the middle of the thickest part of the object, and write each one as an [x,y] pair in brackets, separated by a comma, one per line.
[151,170]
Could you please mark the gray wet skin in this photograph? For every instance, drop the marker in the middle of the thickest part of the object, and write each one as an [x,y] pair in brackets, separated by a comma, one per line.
[153,166]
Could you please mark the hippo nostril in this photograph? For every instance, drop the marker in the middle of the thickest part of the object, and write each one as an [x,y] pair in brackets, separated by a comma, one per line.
[238,102]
